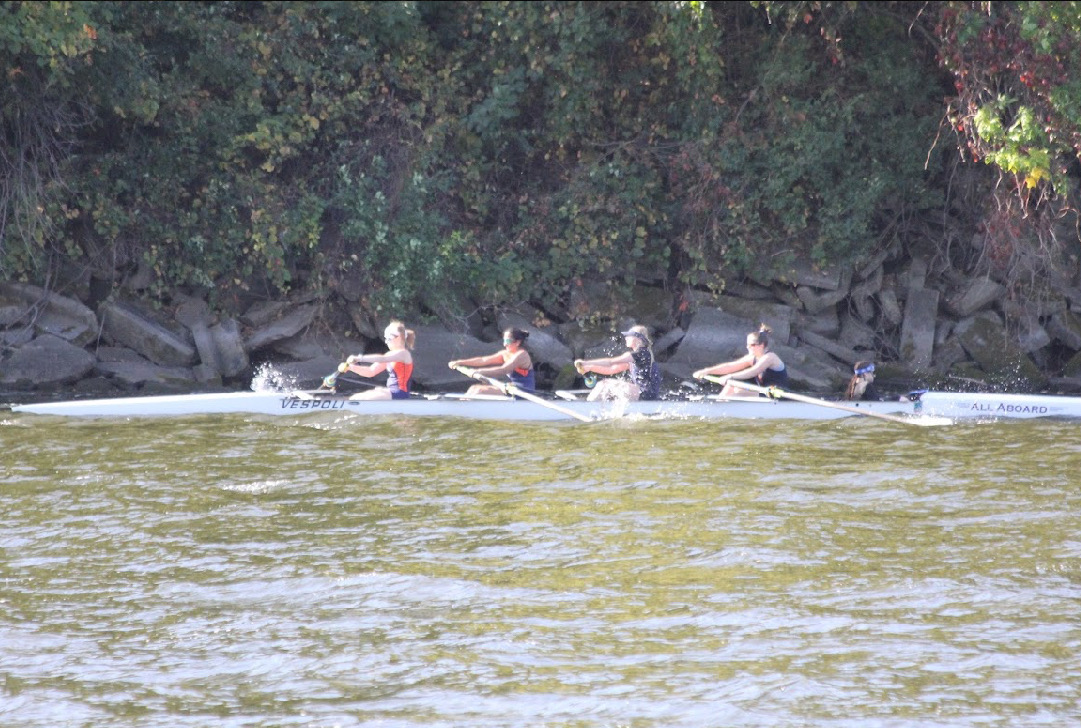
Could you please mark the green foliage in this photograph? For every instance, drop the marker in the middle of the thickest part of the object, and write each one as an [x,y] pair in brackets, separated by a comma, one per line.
[1019,101]
[46,53]
[1022,148]
[400,249]
[824,150]
[500,150]
[563,155]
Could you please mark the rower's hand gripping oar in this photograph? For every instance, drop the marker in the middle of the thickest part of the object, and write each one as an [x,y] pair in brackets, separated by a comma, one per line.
[331,379]
[590,378]
[775,393]
[509,388]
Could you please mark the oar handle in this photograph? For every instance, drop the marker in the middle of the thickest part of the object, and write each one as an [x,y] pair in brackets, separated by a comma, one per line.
[474,374]
[331,379]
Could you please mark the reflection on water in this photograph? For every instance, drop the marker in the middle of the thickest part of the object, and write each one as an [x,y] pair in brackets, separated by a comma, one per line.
[341,571]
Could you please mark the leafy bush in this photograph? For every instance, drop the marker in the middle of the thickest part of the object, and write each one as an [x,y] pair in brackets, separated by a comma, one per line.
[425,151]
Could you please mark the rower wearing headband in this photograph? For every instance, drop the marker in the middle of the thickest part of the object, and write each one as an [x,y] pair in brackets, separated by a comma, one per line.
[643,379]
[862,383]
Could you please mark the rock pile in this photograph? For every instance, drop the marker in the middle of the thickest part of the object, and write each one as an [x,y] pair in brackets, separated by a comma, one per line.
[910,322]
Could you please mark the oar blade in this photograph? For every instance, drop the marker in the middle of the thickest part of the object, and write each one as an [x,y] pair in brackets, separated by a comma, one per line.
[928,420]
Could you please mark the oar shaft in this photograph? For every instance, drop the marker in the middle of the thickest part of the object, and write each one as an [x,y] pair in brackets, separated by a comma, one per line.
[774,392]
[510,389]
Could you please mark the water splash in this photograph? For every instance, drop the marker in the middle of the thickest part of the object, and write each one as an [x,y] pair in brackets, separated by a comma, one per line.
[269,379]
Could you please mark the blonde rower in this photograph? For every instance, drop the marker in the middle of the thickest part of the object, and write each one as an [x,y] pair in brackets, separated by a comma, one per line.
[397,363]
[643,379]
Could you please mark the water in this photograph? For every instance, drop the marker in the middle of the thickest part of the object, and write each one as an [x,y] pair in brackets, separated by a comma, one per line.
[336,571]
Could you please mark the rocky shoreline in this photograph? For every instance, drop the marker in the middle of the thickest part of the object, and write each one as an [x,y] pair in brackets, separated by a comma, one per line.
[922,327]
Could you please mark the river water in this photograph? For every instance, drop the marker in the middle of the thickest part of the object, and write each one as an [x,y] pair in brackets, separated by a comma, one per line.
[337,571]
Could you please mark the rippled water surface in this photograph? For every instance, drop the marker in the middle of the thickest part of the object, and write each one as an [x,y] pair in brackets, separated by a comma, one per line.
[329,571]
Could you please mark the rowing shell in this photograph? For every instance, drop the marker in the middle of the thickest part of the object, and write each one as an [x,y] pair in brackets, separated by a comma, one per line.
[937,404]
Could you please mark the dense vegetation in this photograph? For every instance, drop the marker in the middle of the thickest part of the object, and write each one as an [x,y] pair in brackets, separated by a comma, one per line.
[407,152]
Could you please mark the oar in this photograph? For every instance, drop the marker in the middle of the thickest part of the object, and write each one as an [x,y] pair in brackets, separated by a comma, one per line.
[514,391]
[774,392]
[331,379]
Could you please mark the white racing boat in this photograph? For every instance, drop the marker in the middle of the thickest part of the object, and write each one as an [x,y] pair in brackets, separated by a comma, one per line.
[925,408]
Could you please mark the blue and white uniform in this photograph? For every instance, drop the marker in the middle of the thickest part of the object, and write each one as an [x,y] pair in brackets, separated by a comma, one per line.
[524,379]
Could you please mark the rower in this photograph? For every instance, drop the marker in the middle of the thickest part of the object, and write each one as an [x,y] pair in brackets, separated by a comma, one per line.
[759,364]
[512,361]
[862,383]
[397,363]
[643,375]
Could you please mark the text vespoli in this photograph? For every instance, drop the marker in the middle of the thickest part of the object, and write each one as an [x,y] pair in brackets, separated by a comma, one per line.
[300,403]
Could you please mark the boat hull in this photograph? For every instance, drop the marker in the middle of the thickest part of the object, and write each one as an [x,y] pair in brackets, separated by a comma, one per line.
[985,405]
[937,404]
[488,408]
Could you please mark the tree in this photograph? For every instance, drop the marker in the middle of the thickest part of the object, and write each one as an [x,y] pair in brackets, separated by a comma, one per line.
[47,51]
[412,151]
[1018,108]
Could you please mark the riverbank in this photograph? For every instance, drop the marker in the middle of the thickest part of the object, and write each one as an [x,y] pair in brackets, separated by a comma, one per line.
[917,323]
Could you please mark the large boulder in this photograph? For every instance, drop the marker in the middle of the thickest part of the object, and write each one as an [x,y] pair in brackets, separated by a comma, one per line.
[974,295]
[291,322]
[667,341]
[140,373]
[948,354]
[862,296]
[47,360]
[221,347]
[124,325]
[989,344]
[14,338]
[824,323]
[815,300]
[855,334]
[435,347]
[193,312]
[264,312]
[1066,328]
[826,278]
[712,336]
[889,307]
[58,315]
[918,327]
[831,347]
[1031,335]
[812,370]
[778,316]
